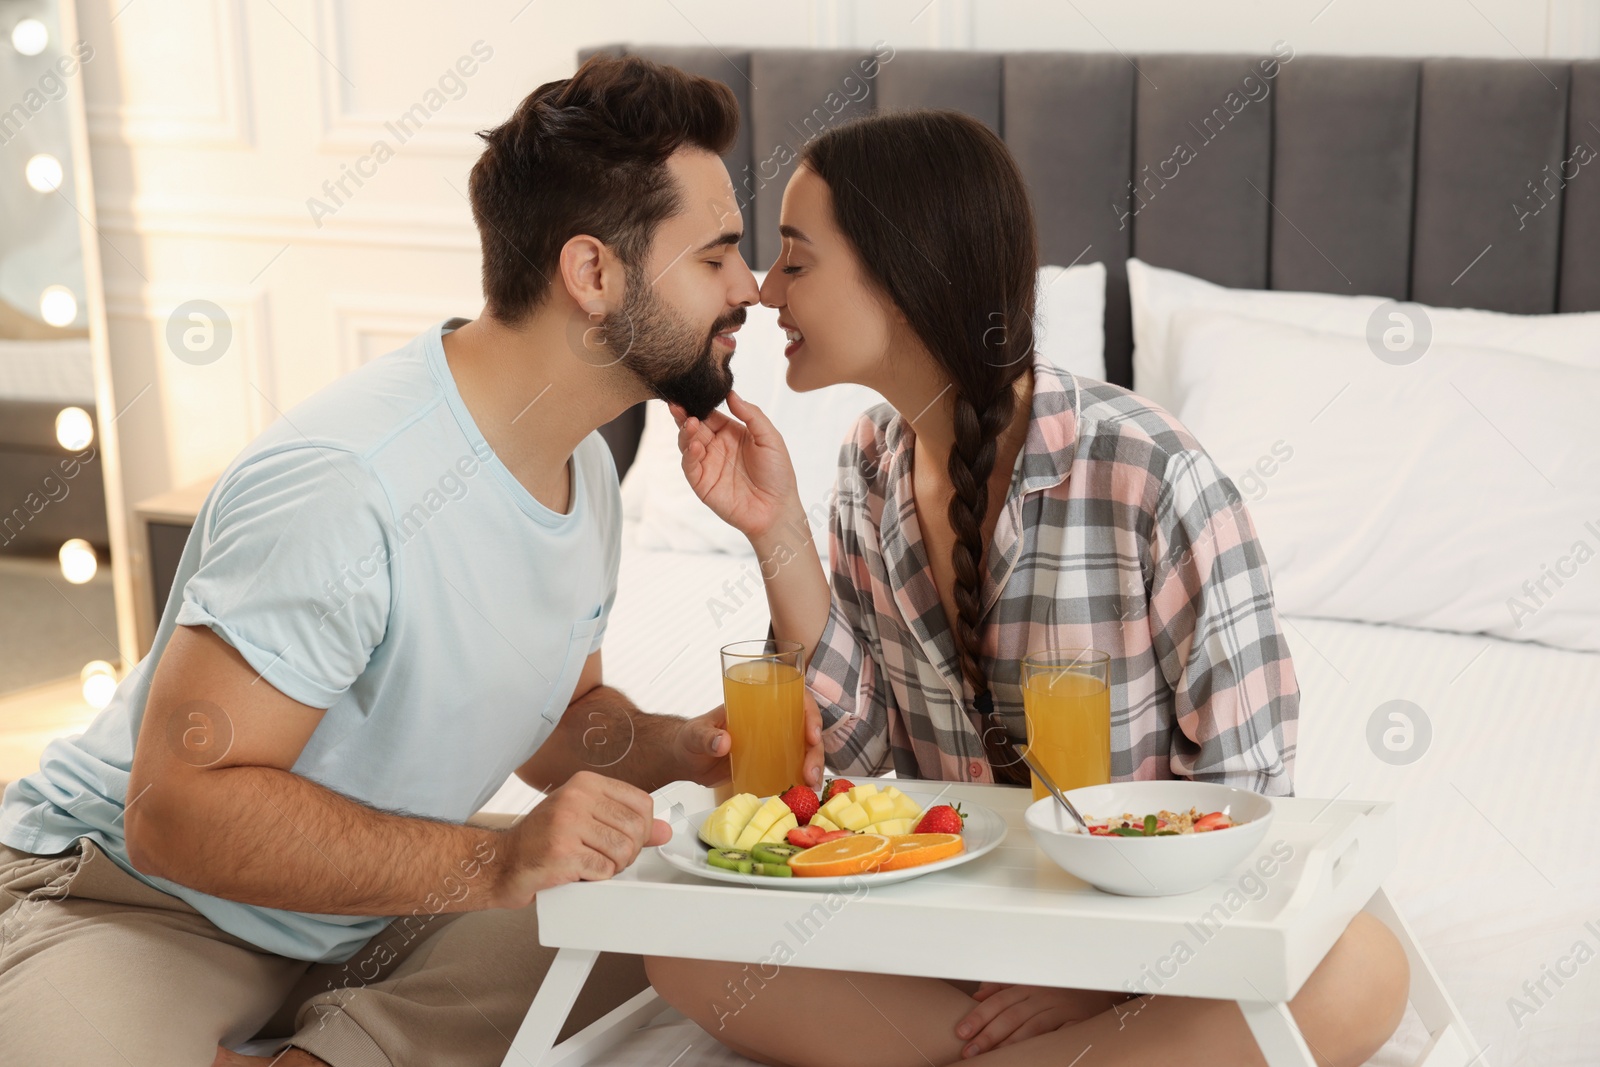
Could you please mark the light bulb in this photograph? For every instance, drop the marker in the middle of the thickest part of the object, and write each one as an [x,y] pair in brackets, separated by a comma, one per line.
[78,561]
[74,429]
[99,683]
[58,306]
[29,37]
[44,173]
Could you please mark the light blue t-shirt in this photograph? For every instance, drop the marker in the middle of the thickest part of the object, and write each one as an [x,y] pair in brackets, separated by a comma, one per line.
[370,555]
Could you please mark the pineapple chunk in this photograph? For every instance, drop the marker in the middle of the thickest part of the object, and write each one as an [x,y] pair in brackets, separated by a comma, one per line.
[723,826]
[862,792]
[833,807]
[770,812]
[780,829]
[762,821]
[879,807]
[891,826]
[904,806]
[745,805]
[823,821]
[853,817]
[720,830]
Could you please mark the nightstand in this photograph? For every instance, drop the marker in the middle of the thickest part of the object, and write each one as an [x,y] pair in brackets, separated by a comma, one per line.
[161,527]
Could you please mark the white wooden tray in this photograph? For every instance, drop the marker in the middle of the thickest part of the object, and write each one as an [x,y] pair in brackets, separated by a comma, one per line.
[1253,936]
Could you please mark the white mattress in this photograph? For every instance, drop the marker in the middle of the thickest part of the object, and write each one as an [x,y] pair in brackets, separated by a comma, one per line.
[54,371]
[1498,872]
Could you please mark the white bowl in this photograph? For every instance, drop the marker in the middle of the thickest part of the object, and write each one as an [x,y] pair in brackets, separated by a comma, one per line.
[1150,866]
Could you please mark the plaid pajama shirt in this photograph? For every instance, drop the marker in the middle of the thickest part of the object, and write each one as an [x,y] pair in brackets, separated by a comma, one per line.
[1119,533]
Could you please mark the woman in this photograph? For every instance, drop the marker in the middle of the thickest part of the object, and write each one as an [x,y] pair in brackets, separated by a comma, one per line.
[995,506]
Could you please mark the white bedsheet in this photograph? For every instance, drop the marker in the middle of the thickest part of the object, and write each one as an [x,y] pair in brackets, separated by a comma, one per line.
[47,371]
[1497,875]
[1498,871]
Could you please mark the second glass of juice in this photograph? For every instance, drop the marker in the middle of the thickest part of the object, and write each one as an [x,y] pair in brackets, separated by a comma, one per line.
[762,688]
[1066,696]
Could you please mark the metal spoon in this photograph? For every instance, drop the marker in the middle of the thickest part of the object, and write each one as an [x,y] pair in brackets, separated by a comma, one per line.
[1055,790]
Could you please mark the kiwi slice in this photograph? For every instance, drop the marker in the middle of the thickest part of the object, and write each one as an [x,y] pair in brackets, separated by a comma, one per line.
[775,852]
[779,870]
[731,859]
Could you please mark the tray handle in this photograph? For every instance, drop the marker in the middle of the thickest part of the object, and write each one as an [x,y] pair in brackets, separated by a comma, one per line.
[1330,863]
[685,796]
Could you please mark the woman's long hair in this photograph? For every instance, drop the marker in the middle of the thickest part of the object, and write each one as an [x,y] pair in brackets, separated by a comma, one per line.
[939,215]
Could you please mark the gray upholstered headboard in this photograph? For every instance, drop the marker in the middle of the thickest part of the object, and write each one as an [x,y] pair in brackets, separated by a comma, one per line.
[1452,182]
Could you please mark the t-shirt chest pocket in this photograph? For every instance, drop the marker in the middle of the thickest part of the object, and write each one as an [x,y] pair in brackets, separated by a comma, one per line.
[577,654]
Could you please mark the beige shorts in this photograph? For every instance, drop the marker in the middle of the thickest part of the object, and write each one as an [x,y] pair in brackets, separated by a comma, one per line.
[97,968]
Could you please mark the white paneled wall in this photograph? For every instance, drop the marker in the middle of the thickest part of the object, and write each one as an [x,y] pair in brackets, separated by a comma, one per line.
[302,163]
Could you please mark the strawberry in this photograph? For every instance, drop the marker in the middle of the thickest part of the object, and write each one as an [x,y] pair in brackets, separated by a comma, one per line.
[806,836]
[942,819]
[1215,820]
[833,835]
[836,786]
[802,800]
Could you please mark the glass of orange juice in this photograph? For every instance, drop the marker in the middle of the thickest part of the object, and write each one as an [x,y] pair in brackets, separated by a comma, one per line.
[762,684]
[1066,697]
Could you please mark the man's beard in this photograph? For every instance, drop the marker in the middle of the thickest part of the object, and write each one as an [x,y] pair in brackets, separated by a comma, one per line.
[667,353]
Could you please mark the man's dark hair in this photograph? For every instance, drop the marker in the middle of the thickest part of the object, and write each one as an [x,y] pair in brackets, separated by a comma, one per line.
[587,155]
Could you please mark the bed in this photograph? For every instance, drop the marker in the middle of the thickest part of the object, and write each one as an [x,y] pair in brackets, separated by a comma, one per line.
[1385,177]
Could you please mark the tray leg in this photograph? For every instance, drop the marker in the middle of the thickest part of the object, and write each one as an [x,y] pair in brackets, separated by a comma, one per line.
[551,1004]
[1451,1044]
[1282,1044]
[590,1044]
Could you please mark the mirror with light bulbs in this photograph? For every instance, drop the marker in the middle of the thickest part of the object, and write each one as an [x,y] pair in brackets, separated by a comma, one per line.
[58,602]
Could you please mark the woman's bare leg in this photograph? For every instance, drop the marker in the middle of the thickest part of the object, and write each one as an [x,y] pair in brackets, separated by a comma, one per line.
[1347,1009]
[802,1017]
[798,1016]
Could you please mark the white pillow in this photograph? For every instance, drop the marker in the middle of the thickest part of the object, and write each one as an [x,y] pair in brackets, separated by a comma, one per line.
[1071,314]
[1437,494]
[1158,294]
[1070,320]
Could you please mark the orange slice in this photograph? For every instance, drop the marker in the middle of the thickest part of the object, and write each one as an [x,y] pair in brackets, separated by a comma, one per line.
[913,850]
[845,855]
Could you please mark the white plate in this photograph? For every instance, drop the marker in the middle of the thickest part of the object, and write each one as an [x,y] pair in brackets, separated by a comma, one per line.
[982,831]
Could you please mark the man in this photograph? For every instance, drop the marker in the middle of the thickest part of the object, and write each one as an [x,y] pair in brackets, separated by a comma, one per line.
[390,601]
